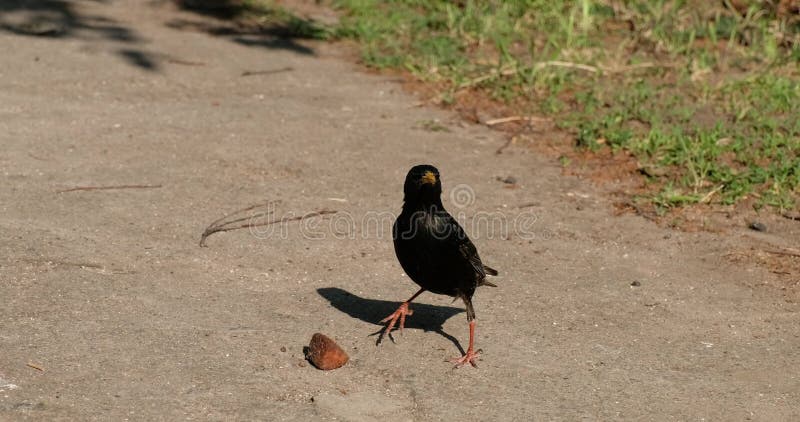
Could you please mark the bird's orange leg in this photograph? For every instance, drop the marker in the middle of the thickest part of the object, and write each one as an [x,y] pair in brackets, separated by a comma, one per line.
[401,313]
[471,354]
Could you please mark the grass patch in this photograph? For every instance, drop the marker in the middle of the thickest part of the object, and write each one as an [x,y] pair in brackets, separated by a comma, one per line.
[704,94]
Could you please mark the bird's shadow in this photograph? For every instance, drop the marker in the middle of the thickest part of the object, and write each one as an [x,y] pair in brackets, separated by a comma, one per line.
[426,317]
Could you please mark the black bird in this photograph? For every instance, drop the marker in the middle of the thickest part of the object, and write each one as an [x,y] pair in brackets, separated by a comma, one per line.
[435,251]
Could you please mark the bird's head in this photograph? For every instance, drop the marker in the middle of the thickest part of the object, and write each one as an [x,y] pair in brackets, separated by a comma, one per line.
[423,185]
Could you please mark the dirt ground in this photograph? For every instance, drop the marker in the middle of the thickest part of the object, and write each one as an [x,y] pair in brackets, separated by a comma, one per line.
[111,310]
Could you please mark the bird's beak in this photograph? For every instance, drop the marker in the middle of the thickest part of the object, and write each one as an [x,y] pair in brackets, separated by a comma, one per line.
[429,178]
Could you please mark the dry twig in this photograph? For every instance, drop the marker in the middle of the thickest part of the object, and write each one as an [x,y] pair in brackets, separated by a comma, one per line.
[36,157]
[267,72]
[34,366]
[795,217]
[710,194]
[570,65]
[79,188]
[220,225]
[508,71]
[631,67]
[785,252]
[511,140]
[508,119]
[185,62]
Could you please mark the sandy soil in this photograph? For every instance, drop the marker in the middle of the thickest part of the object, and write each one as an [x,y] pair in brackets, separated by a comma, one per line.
[110,310]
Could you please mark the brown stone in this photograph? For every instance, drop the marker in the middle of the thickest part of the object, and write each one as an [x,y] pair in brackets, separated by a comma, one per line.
[325,354]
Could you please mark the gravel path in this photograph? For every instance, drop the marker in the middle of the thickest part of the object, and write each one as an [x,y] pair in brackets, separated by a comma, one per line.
[110,310]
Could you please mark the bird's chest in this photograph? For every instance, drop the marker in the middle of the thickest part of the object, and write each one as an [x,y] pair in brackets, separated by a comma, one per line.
[426,231]
[423,247]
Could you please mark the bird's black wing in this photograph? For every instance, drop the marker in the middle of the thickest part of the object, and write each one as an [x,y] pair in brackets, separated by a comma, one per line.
[469,252]
[457,240]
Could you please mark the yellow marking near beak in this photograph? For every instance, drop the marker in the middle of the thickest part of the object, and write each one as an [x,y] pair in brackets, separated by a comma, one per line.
[429,178]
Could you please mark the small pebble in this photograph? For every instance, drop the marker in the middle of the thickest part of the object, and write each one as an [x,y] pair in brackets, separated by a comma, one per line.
[757,226]
[636,283]
[325,354]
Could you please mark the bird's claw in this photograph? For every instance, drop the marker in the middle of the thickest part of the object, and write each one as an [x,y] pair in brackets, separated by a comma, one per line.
[468,357]
[401,313]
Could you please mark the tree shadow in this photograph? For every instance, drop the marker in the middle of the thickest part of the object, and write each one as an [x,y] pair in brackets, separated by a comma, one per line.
[426,317]
[251,24]
[60,19]
[138,58]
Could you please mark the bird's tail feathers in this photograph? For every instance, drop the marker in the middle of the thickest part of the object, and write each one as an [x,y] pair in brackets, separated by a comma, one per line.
[489,271]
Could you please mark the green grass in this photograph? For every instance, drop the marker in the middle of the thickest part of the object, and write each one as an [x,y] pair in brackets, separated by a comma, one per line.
[705,94]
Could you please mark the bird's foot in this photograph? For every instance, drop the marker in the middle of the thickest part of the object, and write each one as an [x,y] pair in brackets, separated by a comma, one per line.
[468,358]
[400,314]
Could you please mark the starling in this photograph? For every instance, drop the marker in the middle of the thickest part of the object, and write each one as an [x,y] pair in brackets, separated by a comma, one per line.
[435,252]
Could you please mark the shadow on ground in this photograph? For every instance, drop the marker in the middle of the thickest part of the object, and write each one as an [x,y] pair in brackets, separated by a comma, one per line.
[425,317]
[250,23]
[60,19]
[243,22]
